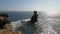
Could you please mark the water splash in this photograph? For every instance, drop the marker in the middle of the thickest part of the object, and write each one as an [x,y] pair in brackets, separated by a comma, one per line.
[41,27]
[48,29]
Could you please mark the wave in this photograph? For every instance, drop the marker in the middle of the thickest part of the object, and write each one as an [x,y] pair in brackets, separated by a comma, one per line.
[40,27]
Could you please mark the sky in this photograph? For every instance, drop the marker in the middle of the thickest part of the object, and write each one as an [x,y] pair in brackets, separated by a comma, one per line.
[29,5]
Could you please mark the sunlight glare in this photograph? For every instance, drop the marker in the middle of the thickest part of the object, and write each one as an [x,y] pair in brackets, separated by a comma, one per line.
[51,13]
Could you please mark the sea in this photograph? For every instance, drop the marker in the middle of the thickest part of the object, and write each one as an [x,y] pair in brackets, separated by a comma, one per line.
[46,24]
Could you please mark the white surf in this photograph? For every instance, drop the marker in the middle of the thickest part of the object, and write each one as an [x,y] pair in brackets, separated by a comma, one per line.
[40,27]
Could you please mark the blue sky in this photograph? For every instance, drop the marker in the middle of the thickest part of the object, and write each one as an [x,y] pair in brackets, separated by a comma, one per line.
[29,5]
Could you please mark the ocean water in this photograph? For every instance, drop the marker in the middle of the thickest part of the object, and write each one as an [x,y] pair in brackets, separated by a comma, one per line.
[44,25]
[19,15]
